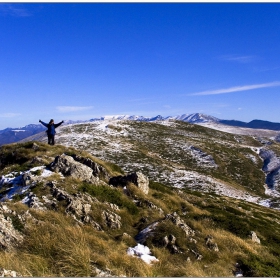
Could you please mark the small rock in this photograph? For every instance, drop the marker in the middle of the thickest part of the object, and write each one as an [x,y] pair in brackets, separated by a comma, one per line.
[174,249]
[35,147]
[254,237]
[210,243]
[197,255]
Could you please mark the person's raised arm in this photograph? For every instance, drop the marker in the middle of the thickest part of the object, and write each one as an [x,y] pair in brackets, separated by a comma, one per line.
[58,124]
[43,123]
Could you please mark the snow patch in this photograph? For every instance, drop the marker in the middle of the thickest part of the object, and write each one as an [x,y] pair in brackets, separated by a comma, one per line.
[14,182]
[142,252]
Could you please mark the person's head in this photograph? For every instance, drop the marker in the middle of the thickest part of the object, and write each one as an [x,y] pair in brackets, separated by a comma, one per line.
[51,121]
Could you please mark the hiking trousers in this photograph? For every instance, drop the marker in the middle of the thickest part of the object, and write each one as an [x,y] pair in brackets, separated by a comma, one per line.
[50,139]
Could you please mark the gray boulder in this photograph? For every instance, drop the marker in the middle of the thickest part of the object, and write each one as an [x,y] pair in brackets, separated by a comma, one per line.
[137,178]
[97,170]
[69,167]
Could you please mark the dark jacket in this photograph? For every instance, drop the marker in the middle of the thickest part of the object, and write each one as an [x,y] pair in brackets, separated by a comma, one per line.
[51,127]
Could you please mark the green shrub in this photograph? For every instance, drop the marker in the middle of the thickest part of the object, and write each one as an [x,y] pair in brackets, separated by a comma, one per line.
[160,187]
[106,193]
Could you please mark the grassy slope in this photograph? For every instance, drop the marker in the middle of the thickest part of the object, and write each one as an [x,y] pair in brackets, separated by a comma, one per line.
[58,246]
[160,150]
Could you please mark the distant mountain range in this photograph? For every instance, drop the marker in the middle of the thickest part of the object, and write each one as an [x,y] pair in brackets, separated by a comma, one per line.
[11,135]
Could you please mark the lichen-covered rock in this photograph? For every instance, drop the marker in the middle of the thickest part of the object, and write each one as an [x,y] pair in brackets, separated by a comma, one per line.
[175,218]
[97,170]
[69,167]
[9,236]
[111,219]
[137,178]
[78,205]
[34,202]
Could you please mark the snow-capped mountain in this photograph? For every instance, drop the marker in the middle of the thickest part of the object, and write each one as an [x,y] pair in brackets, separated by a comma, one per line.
[197,118]
[192,118]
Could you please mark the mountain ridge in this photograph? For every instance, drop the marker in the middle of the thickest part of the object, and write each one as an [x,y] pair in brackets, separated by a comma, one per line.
[11,135]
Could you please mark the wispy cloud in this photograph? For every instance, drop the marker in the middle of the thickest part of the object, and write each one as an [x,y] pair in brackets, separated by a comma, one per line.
[14,10]
[66,109]
[238,58]
[9,115]
[236,89]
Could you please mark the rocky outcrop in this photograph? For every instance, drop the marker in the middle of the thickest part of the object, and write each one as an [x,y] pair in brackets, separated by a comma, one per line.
[68,166]
[9,236]
[34,202]
[78,205]
[137,178]
[168,241]
[97,170]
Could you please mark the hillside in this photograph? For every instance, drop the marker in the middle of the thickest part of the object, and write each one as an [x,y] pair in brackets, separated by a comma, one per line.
[183,155]
[66,213]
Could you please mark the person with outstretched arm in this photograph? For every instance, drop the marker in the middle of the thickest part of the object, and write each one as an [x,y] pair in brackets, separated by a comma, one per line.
[51,130]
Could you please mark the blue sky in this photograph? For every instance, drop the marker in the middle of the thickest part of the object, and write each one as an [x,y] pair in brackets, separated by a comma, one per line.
[79,61]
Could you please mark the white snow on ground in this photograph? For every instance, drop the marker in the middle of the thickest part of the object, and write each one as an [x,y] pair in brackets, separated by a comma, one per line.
[15,182]
[142,252]
[206,184]
[102,126]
